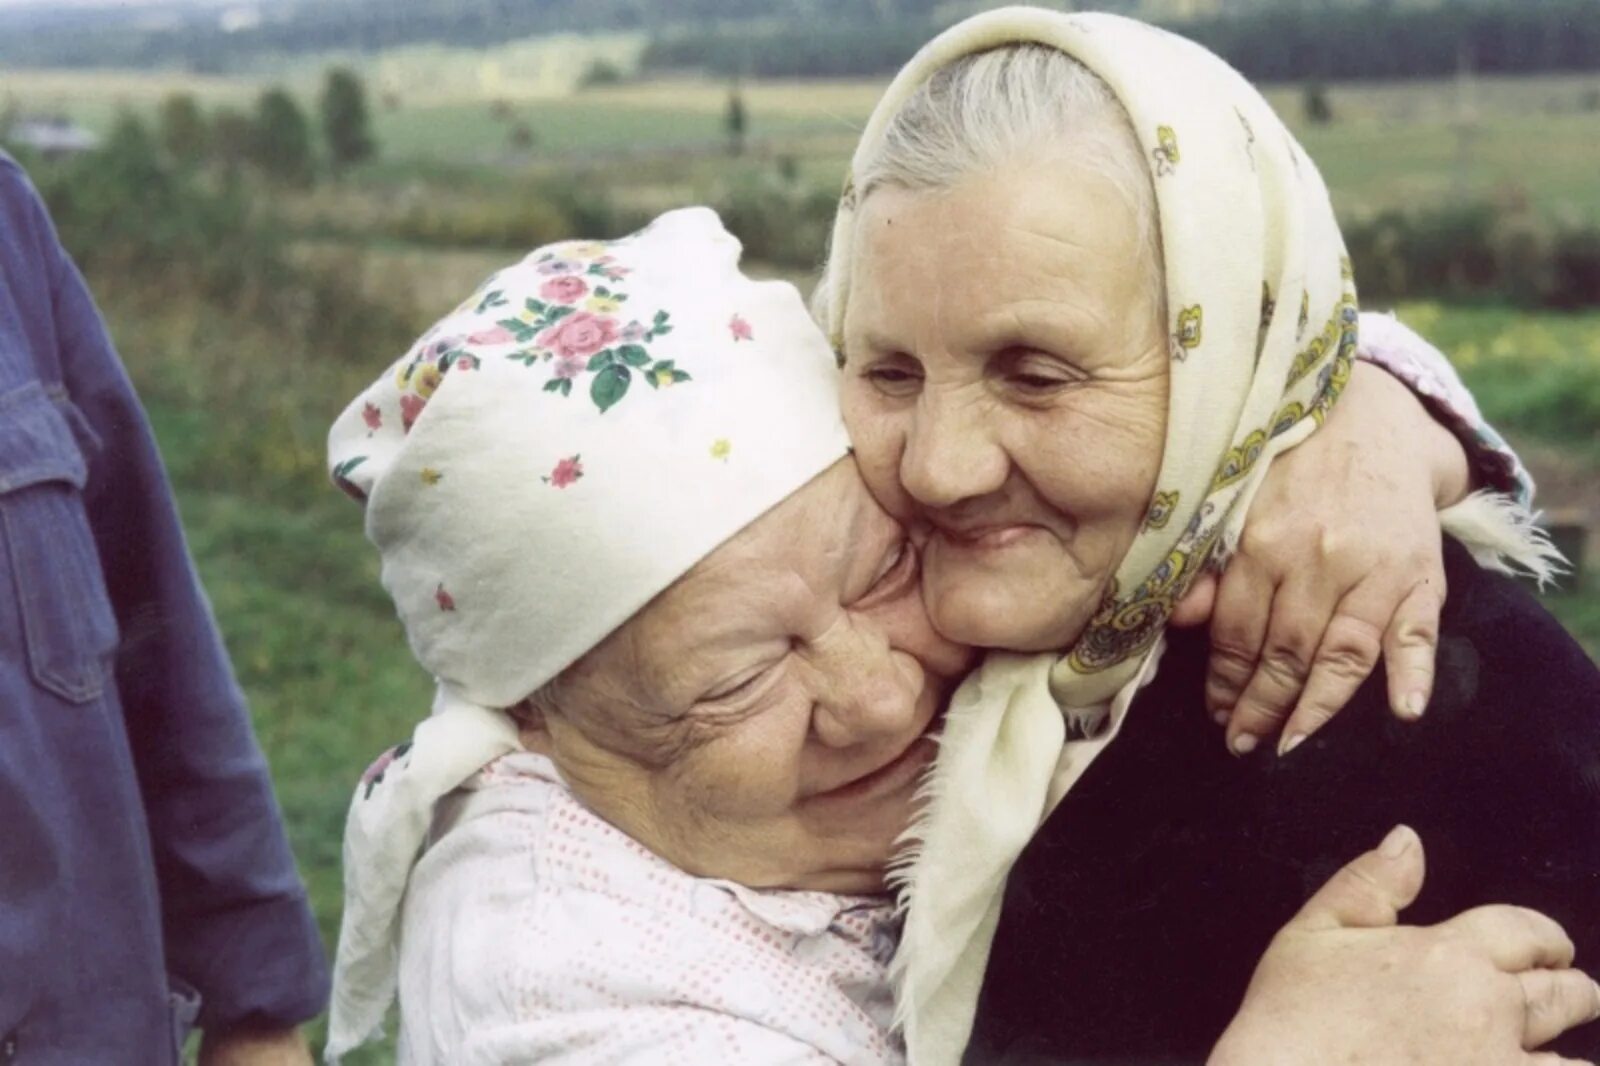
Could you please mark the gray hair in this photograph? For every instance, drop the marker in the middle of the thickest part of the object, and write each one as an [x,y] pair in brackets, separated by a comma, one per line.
[988,109]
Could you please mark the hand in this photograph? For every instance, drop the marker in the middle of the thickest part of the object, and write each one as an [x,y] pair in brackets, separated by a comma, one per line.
[255,1047]
[1340,559]
[1343,983]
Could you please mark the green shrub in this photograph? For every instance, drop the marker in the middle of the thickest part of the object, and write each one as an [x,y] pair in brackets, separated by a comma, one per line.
[1474,252]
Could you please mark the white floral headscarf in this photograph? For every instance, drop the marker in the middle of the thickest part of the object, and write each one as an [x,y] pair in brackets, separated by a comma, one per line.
[1262,332]
[568,442]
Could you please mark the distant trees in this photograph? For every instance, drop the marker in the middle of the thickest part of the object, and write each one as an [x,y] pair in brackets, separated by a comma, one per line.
[181,128]
[1291,42]
[281,140]
[346,123]
[735,120]
[1317,106]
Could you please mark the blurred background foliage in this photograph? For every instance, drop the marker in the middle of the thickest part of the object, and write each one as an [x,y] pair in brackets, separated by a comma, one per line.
[272,200]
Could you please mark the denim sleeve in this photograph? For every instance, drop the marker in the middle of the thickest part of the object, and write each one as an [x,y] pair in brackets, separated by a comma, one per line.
[236,920]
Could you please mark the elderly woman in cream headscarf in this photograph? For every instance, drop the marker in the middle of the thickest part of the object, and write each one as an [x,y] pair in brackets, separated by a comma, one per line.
[1087,289]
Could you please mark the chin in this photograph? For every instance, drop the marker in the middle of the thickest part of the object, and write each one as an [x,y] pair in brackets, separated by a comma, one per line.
[992,612]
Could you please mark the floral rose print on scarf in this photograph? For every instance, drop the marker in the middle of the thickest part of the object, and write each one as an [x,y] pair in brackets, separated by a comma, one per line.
[373,776]
[419,375]
[565,473]
[740,329]
[575,327]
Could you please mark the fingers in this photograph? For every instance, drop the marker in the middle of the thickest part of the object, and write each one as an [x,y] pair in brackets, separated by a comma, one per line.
[1345,658]
[1195,607]
[1514,938]
[1370,891]
[1238,628]
[1555,1001]
[1300,614]
[1550,1058]
[1411,645]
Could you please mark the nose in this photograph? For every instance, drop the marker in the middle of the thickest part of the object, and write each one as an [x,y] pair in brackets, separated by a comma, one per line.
[866,689]
[951,452]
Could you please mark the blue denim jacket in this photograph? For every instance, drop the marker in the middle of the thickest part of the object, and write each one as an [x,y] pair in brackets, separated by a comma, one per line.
[142,856]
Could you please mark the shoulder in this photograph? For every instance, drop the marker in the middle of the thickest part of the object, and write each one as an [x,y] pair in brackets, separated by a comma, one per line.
[1507,667]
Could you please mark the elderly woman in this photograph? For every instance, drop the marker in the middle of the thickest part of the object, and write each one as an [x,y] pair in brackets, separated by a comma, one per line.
[1088,290]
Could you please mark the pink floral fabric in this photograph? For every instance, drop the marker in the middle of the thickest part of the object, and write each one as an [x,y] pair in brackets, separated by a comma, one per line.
[1387,342]
[534,931]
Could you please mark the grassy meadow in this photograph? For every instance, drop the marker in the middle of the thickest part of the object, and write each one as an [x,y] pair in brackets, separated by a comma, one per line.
[242,407]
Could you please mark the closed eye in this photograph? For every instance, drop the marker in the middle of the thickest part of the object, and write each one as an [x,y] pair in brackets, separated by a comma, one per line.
[899,376]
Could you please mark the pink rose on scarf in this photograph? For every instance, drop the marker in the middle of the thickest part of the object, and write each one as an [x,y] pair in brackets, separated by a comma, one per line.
[569,366]
[411,406]
[494,335]
[740,329]
[566,472]
[579,335]
[372,416]
[564,290]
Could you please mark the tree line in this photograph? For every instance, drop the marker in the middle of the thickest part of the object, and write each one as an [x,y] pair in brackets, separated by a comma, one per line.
[1327,42]
[1266,39]
[275,138]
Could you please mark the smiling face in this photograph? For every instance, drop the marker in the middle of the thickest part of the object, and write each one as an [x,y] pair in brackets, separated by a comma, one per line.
[1006,391]
[766,718]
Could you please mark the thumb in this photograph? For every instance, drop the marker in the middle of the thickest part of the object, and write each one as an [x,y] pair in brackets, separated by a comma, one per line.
[1370,891]
[1195,607]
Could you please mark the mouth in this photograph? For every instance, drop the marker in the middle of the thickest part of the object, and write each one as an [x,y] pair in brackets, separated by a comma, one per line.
[988,537]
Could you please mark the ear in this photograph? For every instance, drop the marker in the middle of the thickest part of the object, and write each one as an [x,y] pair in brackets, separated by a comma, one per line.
[532,727]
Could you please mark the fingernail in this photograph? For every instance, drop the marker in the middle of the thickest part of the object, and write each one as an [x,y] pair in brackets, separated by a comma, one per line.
[1397,843]
[1415,704]
[1221,717]
[1291,744]
[1244,744]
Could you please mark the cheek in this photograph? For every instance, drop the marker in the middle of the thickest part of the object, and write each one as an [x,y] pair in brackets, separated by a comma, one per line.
[749,769]
[909,628]
[878,437]
[1094,463]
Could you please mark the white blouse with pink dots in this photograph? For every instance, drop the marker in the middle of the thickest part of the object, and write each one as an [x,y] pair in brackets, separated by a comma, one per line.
[535,931]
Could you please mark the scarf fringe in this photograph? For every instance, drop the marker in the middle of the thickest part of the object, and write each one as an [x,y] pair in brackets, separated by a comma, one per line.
[902,877]
[1503,535]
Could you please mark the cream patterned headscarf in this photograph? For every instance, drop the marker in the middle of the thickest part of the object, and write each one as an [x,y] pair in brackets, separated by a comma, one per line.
[566,444]
[1263,329]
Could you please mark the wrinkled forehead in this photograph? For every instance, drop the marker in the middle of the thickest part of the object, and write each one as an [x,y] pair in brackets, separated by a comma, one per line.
[998,251]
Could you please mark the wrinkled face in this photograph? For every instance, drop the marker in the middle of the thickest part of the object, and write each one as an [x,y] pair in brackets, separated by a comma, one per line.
[767,718]
[1006,392]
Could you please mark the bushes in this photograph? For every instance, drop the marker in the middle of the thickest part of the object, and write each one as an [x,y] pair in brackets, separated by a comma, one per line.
[1475,252]
[779,222]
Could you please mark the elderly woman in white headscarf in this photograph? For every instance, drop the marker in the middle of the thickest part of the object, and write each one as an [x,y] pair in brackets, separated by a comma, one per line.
[1087,290]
